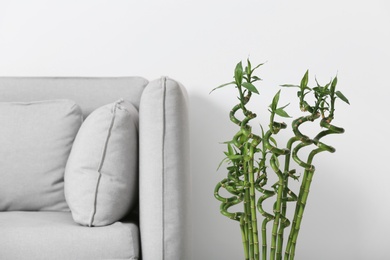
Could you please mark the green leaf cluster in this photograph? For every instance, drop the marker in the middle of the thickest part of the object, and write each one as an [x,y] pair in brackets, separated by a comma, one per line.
[321,94]
[243,77]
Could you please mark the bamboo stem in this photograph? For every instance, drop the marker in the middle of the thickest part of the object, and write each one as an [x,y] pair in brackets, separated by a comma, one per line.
[280,185]
[309,172]
[286,193]
[304,141]
[267,217]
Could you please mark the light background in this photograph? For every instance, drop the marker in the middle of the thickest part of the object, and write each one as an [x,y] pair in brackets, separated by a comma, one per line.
[198,43]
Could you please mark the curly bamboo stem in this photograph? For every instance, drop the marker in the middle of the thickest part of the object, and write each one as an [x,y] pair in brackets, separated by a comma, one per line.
[308,176]
[280,184]
[286,192]
[309,172]
[245,134]
[304,141]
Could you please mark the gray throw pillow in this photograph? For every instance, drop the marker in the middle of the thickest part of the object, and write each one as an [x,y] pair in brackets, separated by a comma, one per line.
[35,142]
[101,173]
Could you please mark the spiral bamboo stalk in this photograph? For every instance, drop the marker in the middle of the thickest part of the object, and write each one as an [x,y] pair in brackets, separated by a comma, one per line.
[260,183]
[325,122]
[246,142]
[288,196]
[304,141]
[279,186]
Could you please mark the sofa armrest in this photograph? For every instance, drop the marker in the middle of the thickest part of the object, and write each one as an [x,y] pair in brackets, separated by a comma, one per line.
[164,171]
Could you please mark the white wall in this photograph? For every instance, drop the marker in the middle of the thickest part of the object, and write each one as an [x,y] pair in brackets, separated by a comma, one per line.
[199,42]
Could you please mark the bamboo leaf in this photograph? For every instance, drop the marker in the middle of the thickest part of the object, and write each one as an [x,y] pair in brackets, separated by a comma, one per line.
[306,93]
[275,101]
[255,78]
[283,107]
[276,160]
[262,132]
[333,86]
[235,157]
[223,85]
[230,149]
[321,91]
[231,168]
[281,112]
[250,87]
[248,68]
[305,80]
[220,164]
[261,64]
[290,86]
[318,84]
[273,140]
[342,97]
[238,73]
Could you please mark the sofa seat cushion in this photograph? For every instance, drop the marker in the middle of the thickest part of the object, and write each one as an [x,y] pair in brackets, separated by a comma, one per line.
[54,235]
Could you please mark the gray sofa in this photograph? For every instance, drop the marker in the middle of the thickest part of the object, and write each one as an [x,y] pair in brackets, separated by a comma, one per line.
[158,227]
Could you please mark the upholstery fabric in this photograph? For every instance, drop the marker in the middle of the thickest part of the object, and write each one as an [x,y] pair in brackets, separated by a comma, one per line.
[164,171]
[101,173]
[54,235]
[36,139]
[88,93]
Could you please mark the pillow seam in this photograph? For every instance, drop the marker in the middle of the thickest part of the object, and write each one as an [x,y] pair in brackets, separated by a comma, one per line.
[92,218]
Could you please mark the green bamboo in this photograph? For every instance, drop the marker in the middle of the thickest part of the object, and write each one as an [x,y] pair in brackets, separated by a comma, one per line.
[280,184]
[244,238]
[248,214]
[286,193]
[254,144]
[248,219]
[309,171]
[246,174]
[267,217]
[304,141]
[260,183]
[308,176]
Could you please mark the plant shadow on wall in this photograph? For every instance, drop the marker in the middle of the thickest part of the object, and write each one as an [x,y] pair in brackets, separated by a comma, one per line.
[252,157]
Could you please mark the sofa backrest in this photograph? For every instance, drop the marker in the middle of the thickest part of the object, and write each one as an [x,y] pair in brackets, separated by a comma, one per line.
[89,93]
